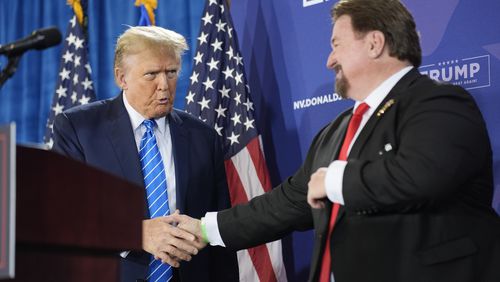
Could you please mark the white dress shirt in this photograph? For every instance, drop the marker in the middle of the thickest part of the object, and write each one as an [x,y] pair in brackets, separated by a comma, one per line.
[164,141]
[335,171]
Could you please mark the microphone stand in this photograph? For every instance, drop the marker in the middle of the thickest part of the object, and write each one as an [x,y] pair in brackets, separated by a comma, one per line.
[10,69]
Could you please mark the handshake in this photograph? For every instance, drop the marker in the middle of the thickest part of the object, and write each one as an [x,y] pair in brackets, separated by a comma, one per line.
[173,238]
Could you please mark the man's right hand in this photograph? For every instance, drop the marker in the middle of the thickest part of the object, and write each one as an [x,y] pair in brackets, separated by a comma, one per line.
[167,242]
[193,226]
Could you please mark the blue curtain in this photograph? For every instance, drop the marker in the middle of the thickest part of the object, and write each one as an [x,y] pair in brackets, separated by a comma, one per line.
[26,97]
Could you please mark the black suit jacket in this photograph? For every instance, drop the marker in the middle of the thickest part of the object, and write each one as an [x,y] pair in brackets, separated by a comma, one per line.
[100,134]
[417,188]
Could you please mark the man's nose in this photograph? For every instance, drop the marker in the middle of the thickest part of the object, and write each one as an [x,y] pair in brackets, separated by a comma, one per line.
[162,81]
[331,61]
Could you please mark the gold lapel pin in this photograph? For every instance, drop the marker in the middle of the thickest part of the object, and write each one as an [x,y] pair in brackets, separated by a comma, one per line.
[384,109]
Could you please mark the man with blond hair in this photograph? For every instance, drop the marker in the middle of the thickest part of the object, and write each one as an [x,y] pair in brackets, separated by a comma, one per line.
[139,136]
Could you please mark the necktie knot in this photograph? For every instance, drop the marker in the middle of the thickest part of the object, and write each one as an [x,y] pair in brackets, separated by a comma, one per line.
[361,109]
[149,124]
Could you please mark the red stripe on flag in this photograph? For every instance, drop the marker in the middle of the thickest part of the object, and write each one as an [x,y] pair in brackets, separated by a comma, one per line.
[236,191]
[259,163]
[260,254]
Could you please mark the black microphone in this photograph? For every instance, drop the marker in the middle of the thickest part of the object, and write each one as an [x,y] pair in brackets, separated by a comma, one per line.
[39,39]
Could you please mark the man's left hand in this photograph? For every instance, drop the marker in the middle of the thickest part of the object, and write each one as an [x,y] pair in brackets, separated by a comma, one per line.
[316,193]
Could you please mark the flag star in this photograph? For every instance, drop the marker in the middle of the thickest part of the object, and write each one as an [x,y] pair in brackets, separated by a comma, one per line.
[58,109]
[220,111]
[190,97]
[249,123]
[64,74]
[73,21]
[71,39]
[248,104]
[74,97]
[68,57]
[237,99]
[230,53]
[208,84]
[228,73]
[198,58]
[220,26]
[203,38]
[213,64]
[50,143]
[204,103]
[221,8]
[218,129]
[87,84]
[217,45]
[233,138]
[239,59]
[84,100]
[75,79]
[212,2]
[236,118]
[77,61]
[207,19]
[230,31]
[238,78]
[61,91]
[87,66]
[78,43]
[224,91]
[194,77]
[248,87]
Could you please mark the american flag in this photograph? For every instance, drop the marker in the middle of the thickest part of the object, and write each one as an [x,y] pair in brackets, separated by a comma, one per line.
[74,86]
[219,95]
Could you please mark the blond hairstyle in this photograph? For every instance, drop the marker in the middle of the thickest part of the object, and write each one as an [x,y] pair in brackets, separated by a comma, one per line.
[138,38]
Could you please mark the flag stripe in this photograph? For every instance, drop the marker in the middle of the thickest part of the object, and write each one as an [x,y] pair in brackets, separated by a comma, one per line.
[237,194]
[260,163]
[246,267]
[275,250]
[259,255]
[247,173]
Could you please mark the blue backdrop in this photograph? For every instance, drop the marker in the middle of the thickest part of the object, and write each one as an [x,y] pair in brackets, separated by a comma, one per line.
[285,45]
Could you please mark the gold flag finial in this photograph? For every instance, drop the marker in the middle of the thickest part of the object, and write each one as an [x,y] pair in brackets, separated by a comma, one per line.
[77,8]
[150,6]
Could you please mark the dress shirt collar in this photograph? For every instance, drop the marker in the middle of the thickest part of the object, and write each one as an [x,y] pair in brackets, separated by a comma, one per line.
[136,118]
[378,95]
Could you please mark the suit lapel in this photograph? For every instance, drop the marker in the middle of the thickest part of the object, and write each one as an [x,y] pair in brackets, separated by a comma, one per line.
[180,149]
[367,130]
[122,138]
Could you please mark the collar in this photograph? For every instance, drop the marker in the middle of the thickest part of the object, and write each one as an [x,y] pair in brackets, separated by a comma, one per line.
[136,118]
[378,94]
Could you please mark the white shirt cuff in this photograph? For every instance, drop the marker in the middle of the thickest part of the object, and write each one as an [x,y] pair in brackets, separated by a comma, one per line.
[212,228]
[333,181]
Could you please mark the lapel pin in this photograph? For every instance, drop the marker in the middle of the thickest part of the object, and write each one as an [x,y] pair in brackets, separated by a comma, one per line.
[385,107]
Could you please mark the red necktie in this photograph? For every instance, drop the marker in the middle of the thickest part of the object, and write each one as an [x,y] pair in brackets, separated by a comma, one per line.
[351,131]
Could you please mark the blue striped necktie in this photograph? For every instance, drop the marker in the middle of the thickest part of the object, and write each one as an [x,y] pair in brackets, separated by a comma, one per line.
[156,192]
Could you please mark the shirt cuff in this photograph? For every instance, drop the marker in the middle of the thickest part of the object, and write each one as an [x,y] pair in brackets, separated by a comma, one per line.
[333,181]
[212,228]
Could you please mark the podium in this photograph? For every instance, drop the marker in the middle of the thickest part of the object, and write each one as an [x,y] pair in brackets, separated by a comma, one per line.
[72,219]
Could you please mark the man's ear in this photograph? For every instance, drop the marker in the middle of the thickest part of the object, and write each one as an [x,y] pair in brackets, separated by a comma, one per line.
[376,43]
[120,78]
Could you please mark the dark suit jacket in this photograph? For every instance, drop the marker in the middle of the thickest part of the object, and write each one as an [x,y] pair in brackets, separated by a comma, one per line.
[100,134]
[419,211]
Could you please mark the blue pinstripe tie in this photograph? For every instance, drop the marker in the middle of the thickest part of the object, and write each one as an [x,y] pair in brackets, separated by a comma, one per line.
[156,192]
